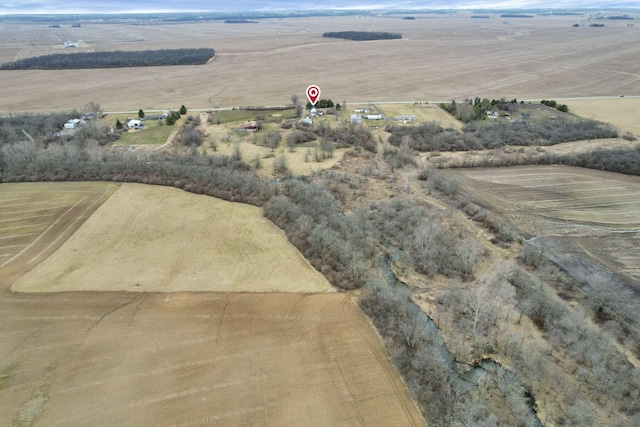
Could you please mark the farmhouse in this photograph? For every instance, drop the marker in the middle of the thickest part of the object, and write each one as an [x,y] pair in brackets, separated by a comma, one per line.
[315,113]
[134,124]
[252,126]
[363,110]
[374,117]
[355,119]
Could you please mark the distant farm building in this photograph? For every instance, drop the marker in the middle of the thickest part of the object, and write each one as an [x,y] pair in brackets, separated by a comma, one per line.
[156,116]
[316,113]
[405,118]
[374,117]
[307,121]
[73,124]
[363,110]
[252,126]
[355,119]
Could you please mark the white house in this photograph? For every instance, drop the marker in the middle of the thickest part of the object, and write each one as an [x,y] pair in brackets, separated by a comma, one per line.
[355,119]
[137,124]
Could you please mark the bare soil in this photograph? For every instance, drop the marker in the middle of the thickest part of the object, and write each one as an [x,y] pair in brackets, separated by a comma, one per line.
[440,57]
[117,358]
[591,212]
[176,358]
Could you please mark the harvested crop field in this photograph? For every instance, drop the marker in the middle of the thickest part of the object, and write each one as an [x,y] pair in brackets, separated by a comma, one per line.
[37,218]
[440,57]
[591,212]
[179,358]
[160,239]
[190,359]
[620,112]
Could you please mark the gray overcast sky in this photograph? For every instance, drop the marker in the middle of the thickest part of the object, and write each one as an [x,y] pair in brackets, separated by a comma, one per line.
[120,6]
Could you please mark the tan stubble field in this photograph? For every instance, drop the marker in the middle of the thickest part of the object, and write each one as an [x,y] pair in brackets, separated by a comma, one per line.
[440,57]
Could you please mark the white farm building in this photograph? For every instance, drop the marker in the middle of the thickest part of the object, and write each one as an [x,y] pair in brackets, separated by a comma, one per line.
[73,124]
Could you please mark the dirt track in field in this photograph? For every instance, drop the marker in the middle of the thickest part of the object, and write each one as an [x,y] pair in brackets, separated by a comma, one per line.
[440,57]
[177,358]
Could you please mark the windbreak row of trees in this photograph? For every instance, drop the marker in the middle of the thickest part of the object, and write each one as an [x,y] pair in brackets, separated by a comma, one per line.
[477,108]
[218,176]
[362,35]
[433,137]
[115,59]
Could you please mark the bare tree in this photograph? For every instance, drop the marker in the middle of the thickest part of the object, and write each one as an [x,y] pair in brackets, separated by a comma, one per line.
[468,250]
[425,235]
[93,108]
[485,297]
[272,140]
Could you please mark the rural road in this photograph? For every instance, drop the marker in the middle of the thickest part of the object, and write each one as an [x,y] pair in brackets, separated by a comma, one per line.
[378,102]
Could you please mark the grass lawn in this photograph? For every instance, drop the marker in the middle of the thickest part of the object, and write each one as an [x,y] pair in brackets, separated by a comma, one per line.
[152,133]
[247,115]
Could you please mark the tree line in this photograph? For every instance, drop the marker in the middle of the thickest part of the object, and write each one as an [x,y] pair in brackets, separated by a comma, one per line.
[362,35]
[115,59]
[433,137]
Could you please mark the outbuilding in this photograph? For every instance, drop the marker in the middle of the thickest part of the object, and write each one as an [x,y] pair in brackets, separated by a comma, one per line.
[73,124]
[251,126]
[373,117]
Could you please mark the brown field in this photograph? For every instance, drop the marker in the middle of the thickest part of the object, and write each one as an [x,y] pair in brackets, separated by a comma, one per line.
[159,239]
[187,359]
[439,58]
[593,212]
[37,218]
[620,112]
[175,358]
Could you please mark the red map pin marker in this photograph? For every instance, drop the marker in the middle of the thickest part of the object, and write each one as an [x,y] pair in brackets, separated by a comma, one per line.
[313,93]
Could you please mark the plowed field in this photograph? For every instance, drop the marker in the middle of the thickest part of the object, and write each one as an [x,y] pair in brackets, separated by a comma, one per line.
[88,358]
[585,211]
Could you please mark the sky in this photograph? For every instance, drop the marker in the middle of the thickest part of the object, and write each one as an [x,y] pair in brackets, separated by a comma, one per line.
[140,6]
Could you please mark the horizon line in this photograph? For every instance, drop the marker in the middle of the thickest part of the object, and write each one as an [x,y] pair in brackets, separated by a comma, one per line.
[329,10]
